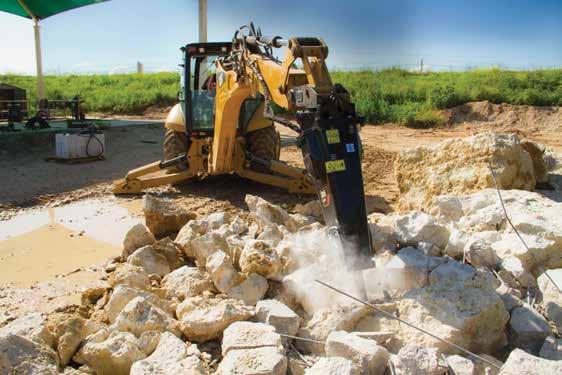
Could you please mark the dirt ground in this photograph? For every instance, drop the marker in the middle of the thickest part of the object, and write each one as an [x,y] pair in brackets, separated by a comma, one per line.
[45,266]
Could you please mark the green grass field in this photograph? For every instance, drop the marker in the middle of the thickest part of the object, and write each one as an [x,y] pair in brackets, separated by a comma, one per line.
[391,95]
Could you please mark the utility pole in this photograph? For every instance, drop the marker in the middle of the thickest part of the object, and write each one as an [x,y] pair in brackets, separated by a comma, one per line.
[202,21]
[421,65]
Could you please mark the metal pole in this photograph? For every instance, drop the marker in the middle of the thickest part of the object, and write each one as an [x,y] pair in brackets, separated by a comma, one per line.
[202,21]
[38,59]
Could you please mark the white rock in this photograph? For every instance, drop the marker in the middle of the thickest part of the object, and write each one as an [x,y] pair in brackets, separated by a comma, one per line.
[369,357]
[186,282]
[312,208]
[551,296]
[222,271]
[171,356]
[171,251]
[203,319]
[130,275]
[333,366]
[238,226]
[163,216]
[460,365]
[258,257]
[138,236]
[528,329]
[188,233]
[263,361]
[251,290]
[522,363]
[139,316]
[457,242]
[248,335]
[216,220]
[18,355]
[479,253]
[31,326]
[150,260]
[122,295]
[272,234]
[467,312]
[207,244]
[515,268]
[278,315]
[382,237]
[110,354]
[451,272]
[511,297]
[425,172]
[267,213]
[415,227]
[413,360]
[324,321]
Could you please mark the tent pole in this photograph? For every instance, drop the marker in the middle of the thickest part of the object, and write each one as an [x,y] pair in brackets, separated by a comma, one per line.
[40,79]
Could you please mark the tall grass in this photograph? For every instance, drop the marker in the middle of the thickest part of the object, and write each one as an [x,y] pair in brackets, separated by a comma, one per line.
[391,95]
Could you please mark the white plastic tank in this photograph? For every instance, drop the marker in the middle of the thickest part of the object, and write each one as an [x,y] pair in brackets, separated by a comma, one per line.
[76,146]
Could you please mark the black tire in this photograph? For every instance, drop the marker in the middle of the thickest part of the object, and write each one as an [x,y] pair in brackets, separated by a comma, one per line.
[175,143]
[265,144]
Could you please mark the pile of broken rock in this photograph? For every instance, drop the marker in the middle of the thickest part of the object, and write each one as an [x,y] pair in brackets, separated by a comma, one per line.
[226,296]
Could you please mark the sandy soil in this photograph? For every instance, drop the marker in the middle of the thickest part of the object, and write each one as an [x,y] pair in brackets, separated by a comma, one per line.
[45,266]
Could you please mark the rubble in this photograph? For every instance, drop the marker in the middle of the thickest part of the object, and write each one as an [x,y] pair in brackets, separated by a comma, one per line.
[19,355]
[163,217]
[416,227]
[276,314]
[333,366]
[460,365]
[138,236]
[521,363]
[171,356]
[248,335]
[32,327]
[369,357]
[204,246]
[264,361]
[551,296]
[413,360]
[251,290]
[257,256]
[129,275]
[150,260]
[139,316]
[186,282]
[122,295]
[222,271]
[426,172]
[203,318]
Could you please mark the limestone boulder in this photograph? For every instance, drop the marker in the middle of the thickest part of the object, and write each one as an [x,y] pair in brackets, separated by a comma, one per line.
[413,360]
[278,315]
[425,172]
[266,213]
[551,296]
[191,230]
[312,208]
[479,253]
[122,295]
[32,326]
[382,237]
[216,220]
[19,355]
[451,272]
[263,361]
[171,251]
[456,244]
[324,321]
[238,226]
[272,234]
[171,356]
[333,366]
[163,216]
[467,312]
[110,353]
[259,257]
[203,318]
[248,335]
[370,358]
[207,244]
[186,282]
[461,365]
[521,363]
[150,260]
[139,316]
[528,329]
[138,236]
[219,265]
[415,227]
[551,349]
[517,271]
[129,275]
[251,290]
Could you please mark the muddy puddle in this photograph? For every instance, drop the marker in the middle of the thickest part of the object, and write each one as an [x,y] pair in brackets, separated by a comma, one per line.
[41,245]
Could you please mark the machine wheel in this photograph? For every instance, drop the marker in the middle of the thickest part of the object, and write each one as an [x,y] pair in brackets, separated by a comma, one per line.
[175,143]
[265,144]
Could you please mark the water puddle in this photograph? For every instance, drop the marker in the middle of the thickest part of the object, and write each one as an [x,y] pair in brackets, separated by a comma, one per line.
[39,245]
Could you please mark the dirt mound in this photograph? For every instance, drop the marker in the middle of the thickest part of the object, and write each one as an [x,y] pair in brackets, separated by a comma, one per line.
[506,116]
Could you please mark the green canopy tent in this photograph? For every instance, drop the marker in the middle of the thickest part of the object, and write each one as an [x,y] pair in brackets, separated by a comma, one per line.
[38,10]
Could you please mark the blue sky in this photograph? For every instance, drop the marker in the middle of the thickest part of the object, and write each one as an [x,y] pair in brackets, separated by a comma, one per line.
[451,34]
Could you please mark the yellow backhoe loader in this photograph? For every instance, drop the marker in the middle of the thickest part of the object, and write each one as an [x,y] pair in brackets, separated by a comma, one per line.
[224,123]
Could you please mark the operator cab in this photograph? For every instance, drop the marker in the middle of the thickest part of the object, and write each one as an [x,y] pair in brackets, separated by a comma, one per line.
[198,85]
